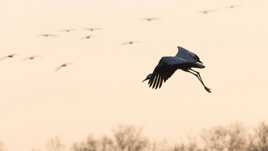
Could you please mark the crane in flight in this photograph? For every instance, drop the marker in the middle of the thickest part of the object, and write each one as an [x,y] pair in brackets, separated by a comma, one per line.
[8,56]
[33,57]
[206,11]
[130,42]
[87,37]
[64,65]
[48,35]
[150,19]
[67,30]
[184,60]
[233,6]
[92,28]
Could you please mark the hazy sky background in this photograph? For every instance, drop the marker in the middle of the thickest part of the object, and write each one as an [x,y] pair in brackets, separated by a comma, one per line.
[102,88]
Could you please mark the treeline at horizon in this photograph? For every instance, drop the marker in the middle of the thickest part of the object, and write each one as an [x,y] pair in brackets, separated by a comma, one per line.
[232,137]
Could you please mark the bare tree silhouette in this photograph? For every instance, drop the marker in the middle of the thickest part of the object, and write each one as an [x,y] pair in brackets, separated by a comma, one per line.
[230,138]
[128,138]
[233,137]
[259,140]
[90,144]
[55,144]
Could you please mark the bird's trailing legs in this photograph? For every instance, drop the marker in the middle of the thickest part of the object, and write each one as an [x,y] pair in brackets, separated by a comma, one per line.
[197,74]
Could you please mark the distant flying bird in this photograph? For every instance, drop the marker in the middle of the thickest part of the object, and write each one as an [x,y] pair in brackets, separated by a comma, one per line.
[184,60]
[8,56]
[67,30]
[233,6]
[88,37]
[207,11]
[92,28]
[62,66]
[31,58]
[150,19]
[48,35]
[130,42]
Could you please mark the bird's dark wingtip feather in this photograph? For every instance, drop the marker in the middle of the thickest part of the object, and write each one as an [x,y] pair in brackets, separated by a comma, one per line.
[151,81]
[208,89]
[144,80]
[160,83]
[155,81]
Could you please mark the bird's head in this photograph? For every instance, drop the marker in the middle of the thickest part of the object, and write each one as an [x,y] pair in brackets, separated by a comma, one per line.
[148,77]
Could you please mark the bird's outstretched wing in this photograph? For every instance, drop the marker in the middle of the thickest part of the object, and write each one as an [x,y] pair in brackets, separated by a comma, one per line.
[164,70]
[3,58]
[187,54]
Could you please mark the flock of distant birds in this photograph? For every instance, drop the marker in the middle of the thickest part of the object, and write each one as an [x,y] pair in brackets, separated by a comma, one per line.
[184,60]
[33,58]
[68,30]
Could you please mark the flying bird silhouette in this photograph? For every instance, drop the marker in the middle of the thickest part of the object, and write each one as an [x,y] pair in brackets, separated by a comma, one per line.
[48,35]
[31,57]
[8,56]
[92,28]
[207,11]
[130,42]
[150,19]
[88,37]
[67,30]
[62,66]
[184,60]
[233,6]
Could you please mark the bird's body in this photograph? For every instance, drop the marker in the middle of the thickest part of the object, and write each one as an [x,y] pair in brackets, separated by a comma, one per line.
[184,60]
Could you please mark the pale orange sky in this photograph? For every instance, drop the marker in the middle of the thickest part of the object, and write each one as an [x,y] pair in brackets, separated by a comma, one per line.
[102,88]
